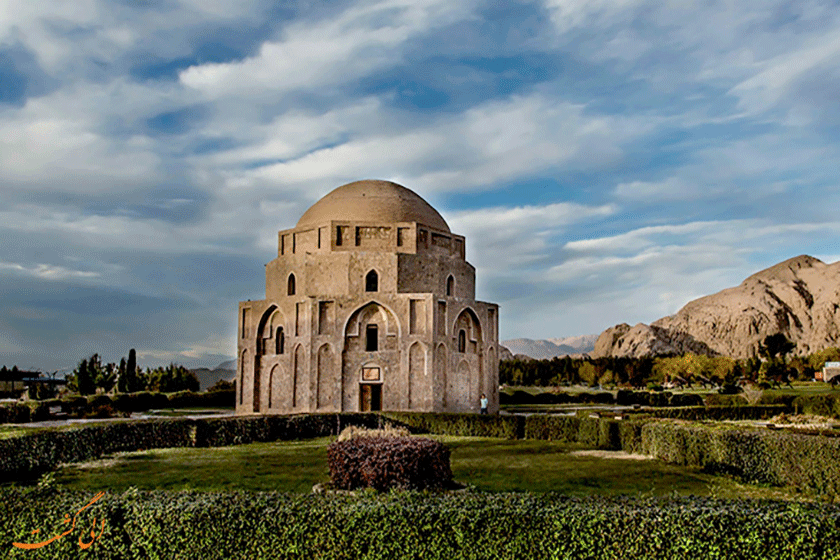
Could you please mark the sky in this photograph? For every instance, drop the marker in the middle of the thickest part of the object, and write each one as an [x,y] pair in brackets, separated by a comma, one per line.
[607,160]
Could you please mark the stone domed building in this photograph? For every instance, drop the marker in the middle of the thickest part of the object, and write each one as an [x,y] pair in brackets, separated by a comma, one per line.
[369,305]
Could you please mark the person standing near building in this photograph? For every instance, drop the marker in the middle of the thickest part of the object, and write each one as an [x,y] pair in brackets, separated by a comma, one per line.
[483,403]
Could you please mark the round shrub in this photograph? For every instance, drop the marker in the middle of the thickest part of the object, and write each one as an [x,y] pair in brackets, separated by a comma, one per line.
[389,462]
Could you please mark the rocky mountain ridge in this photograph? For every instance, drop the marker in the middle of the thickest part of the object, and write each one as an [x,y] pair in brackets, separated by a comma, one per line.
[799,297]
[552,347]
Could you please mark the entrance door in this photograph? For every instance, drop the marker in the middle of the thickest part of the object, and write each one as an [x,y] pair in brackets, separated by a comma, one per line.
[370,397]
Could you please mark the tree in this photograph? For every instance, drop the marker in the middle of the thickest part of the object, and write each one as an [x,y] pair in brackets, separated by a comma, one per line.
[588,374]
[222,385]
[172,378]
[130,379]
[82,378]
[106,377]
[121,379]
[776,345]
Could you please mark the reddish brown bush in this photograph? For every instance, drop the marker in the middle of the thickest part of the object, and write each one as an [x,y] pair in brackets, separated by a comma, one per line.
[389,462]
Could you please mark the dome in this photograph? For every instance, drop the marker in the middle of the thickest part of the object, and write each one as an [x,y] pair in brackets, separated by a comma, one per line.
[373,201]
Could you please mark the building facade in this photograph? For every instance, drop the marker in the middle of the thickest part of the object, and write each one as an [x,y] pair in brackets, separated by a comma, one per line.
[369,305]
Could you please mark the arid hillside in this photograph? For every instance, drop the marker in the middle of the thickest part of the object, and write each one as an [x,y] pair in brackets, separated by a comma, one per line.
[799,297]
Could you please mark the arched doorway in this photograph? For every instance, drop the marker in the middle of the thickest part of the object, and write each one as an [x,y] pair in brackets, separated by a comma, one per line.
[370,388]
[371,350]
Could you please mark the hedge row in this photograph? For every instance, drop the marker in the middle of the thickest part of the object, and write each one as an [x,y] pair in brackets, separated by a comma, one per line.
[15,413]
[524,397]
[454,424]
[36,453]
[774,457]
[597,433]
[34,411]
[622,397]
[820,405]
[747,412]
[417,526]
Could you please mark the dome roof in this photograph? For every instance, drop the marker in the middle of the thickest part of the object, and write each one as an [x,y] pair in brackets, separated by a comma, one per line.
[373,201]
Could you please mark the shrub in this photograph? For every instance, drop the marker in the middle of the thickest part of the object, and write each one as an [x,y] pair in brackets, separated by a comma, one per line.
[686,399]
[454,424]
[746,412]
[807,462]
[597,398]
[73,405]
[729,389]
[731,400]
[818,405]
[554,428]
[387,462]
[389,430]
[414,526]
[14,413]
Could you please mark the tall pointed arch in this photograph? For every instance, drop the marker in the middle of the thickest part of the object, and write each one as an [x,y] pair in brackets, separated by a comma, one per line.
[417,378]
[327,377]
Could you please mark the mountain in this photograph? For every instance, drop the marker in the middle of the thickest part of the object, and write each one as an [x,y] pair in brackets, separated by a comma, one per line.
[547,349]
[799,297]
[208,377]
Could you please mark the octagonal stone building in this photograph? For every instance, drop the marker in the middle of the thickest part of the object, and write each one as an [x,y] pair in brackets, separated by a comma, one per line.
[369,305]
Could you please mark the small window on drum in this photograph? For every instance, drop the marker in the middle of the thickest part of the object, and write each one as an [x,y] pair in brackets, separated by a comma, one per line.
[450,285]
[290,287]
[372,281]
[372,338]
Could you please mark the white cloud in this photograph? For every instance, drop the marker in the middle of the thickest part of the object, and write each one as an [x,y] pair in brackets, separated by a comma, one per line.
[778,78]
[492,142]
[669,189]
[47,271]
[311,56]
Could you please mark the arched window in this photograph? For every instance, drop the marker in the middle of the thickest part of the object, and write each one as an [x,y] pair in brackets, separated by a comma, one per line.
[372,338]
[462,341]
[290,288]
[372,281]
[279,341]
[450,285]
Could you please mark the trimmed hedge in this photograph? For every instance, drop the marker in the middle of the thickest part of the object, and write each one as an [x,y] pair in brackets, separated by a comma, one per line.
[14,413]
[774,457]
[805,461]
[413,525]
[32,454]
[746,412]
[455,424]
[520,397]
[121,402]
[386,462]
[596,433]
[820,405]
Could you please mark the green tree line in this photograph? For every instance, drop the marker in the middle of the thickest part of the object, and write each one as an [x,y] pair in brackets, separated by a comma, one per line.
[772,367]
[91,376]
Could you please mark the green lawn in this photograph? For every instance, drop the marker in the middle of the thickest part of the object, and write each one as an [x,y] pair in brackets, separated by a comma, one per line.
[492,465]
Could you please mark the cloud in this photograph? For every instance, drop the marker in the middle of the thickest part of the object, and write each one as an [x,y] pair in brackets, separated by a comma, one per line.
[492,142]
[47,271]
[315,55]
[780,79]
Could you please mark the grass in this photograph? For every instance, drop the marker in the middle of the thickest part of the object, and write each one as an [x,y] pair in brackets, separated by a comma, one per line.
[488,464]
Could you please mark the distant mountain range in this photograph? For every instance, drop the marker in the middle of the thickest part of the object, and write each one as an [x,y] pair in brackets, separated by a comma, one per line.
[799,297]
[551,347]
[208,377]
